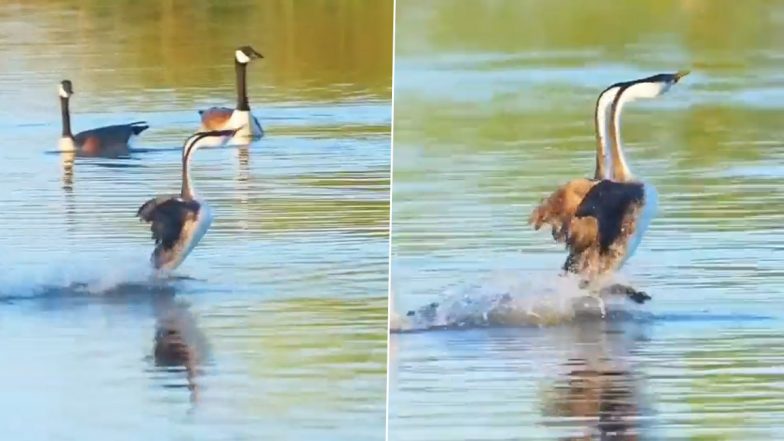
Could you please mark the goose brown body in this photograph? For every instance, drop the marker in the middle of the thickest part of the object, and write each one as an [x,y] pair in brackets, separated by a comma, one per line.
[107,141]
[215,118]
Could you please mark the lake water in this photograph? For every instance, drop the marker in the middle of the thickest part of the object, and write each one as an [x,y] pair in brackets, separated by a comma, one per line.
[284,300]
[493,110]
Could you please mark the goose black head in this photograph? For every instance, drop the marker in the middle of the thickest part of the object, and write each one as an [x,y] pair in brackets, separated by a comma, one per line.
[245,54]
[66,89]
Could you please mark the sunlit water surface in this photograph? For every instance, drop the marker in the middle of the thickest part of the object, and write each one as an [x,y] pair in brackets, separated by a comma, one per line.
[281,309]
[493,110]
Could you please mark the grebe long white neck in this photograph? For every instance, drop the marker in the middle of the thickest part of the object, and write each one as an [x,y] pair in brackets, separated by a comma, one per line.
[191,145]
[645,88]
[187,191]
[601,112]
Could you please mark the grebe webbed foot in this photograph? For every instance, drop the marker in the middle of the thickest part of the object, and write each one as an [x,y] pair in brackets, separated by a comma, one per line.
[427,311]
[633,294]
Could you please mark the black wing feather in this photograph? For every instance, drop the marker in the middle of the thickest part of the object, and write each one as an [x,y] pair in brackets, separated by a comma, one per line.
[608,201]
[118,134]
[167,215]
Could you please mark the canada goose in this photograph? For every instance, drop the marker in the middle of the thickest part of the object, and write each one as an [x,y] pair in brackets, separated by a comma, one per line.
[108,141]
[178,222]
[224,118]
[607,224]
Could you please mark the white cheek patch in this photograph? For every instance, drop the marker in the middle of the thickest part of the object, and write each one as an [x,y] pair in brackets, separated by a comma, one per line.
[241,57]
[63,93]
[644,90]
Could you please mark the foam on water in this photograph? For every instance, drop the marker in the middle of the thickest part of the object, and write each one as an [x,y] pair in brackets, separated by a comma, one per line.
[509,299]
[80,278]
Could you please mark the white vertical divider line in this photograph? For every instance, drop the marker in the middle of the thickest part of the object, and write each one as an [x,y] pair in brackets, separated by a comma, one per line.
[389,233]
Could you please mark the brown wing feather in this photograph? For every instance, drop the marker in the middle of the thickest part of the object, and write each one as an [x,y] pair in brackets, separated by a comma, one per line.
[559,208]
[581,233]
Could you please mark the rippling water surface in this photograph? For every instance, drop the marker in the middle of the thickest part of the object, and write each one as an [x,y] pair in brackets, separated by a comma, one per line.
[493,109]
[280,312]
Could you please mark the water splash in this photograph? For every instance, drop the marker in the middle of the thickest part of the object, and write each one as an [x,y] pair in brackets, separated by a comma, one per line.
[510,299]
[78,279]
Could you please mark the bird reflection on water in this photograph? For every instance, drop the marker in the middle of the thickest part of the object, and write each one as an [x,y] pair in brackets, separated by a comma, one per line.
[178,341]
[582,373]
[67,160]
[600,398]
[596,395]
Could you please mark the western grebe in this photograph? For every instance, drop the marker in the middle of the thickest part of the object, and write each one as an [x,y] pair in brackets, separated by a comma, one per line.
[240,118]
[608,223]
[110,141]
[178,222]
[614,215]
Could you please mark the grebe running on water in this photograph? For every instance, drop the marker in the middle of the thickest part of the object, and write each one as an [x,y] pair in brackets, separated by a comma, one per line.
[108,141]
[240,118]
[606,226]
[178,222]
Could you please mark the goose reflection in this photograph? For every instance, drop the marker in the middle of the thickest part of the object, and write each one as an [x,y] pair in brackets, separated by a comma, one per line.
[243,173]
[243,159]
[67,164]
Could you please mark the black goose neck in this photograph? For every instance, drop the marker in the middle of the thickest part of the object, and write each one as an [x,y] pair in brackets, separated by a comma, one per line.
[242,93]
[66,117]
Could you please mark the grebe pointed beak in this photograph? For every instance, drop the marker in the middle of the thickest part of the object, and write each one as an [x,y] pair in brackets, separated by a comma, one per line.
[680,74]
